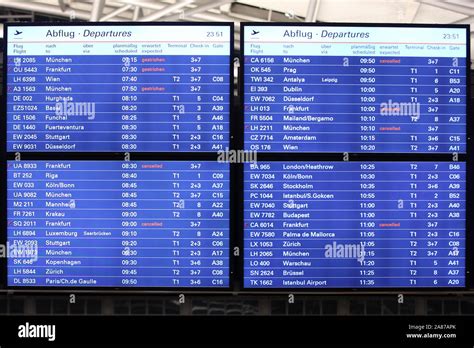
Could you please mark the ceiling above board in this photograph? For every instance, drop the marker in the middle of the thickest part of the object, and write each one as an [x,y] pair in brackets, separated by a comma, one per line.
[368,11]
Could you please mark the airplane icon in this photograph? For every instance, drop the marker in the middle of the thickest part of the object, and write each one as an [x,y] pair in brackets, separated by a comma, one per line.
[17,32]
[254,32]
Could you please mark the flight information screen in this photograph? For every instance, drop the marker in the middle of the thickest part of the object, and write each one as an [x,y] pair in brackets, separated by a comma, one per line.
[354,89]
[354,224]
[117,88]
[118,224]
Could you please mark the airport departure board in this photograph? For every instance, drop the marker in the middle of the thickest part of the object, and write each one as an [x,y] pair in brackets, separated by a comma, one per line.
[361,135]
[354,224]
[119,224]
[82,101]
[121,88]
[120,173]
[355,89]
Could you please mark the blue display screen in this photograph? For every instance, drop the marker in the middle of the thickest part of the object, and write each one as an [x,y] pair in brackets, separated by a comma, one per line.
[354,89]
[146,88]
[118,224]
[354,224]
[374,198]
